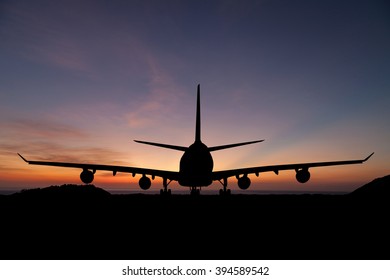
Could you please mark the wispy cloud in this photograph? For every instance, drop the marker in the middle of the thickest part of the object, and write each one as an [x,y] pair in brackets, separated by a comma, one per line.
[106,50]
[41,128]
[163,96]
[52,141]
[47,151]
[40,35]
[68,36]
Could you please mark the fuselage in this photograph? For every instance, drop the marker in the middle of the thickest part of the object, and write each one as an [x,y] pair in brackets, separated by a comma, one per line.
[196,166]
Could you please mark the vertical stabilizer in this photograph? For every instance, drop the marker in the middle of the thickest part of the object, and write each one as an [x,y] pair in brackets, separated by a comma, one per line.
[197,131]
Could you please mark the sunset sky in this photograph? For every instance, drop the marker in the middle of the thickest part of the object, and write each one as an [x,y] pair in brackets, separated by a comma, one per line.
[80,80]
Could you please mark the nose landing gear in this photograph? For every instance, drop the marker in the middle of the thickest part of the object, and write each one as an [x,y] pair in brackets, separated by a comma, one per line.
[195,191]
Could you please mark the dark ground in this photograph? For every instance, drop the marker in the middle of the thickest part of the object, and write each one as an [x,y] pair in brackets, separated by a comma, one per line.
[94,225]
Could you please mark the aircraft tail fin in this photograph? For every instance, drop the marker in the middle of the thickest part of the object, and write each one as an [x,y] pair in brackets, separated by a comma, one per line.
[197,129]
[172,147]
[217,148]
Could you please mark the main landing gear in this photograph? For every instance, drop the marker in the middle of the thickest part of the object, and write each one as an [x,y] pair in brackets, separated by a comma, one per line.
[225,190]
[165,191]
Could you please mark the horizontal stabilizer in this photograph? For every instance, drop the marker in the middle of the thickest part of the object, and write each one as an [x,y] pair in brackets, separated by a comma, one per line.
[172,147]
[217,148]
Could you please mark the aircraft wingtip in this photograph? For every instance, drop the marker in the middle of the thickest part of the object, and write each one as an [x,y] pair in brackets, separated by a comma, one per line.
[368,156]
[22,157]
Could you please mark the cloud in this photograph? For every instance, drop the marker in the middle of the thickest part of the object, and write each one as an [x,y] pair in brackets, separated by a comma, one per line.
[48,140]
[41,128]
[163,97]
[39,32]
[46,151]
[67,35]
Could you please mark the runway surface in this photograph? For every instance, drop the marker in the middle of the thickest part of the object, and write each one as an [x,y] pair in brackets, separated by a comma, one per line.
[95,225]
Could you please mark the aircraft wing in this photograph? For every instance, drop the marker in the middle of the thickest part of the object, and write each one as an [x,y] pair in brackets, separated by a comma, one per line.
[171,175]
[224,174]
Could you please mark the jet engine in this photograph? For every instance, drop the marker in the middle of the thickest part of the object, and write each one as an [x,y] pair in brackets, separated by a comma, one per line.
[302,176]
[144,183]
[86,176]
[244,182]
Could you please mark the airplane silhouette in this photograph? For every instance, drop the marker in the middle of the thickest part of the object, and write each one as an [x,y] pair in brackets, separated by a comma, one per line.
[196,166]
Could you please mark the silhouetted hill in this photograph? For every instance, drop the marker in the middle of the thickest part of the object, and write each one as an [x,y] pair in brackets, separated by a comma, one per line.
[378,188]
[64,191]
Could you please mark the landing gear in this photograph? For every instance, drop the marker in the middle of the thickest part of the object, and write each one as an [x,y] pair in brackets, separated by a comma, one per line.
[165,191]
[225,190]
[195,191]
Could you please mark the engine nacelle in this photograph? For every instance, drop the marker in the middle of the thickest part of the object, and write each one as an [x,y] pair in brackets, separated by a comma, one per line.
[86,176]
[302,176]
[244,182]
[144,183]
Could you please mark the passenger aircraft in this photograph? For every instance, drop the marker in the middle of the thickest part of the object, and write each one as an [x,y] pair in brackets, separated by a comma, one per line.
[196,166]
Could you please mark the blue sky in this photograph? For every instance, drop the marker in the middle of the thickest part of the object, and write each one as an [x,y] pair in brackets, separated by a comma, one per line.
[81,79]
